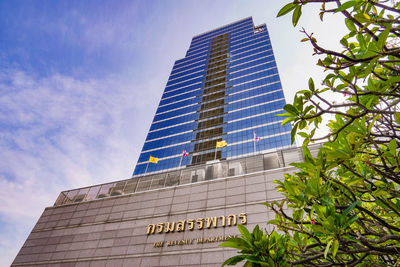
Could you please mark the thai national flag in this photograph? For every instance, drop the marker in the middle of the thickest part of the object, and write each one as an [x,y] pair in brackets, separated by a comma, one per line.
[185,154]
[256,138]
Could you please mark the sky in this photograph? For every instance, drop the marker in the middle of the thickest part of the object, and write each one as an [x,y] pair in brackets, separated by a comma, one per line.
[80,82]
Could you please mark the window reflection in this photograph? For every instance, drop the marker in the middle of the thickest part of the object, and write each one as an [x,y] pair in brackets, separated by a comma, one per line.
[192,174]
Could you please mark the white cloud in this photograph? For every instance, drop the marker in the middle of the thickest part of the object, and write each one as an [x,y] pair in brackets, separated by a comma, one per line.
[61,133]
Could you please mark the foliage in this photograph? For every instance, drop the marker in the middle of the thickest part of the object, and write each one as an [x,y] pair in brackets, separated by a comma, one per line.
[345,202]
[257,249]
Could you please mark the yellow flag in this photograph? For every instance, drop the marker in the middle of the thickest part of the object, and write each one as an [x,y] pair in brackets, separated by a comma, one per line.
[153,159]
[221,143]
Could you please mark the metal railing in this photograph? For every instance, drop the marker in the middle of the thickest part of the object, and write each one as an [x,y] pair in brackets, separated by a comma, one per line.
[209,171]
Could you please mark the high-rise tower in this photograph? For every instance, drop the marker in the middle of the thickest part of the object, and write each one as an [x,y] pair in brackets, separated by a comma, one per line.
[227,88]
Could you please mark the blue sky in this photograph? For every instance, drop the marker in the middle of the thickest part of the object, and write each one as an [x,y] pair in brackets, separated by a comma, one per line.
[80,82]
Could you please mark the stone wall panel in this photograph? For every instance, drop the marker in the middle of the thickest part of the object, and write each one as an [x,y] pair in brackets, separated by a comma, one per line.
[112,231]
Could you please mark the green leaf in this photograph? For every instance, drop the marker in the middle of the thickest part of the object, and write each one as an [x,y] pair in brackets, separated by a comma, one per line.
[397,117]
[245,233]
[394,79]
[283,115]
[307,154]
[349,209]
[327,248]
[256,261]
[382,37]
[352,219]
[344,42]
[257,233]
[286,9]
[234,260]
[291,109]
[307,109]
[367,8]
[235,242]
[362,17]
[361,41]
[371,85]
[372,48]
[326,200]
[321,16]
[311,84]
[345,6]
[370,102]
[303,134]
[287,120]
[296,15]
[392,146]
[298,103]
[293,132]
[335,247]
[350,25]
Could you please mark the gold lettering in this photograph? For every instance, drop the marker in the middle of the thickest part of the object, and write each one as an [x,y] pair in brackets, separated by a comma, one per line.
[169,227]
[243,218]
[230,218]
[212,220]
[160,227]
[200,222]
[150,229]
[199,240]
[190,224]
[222,220]
[180,226]
[158,244]
[209,222]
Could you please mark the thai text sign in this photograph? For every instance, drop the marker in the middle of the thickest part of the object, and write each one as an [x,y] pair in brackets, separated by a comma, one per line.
[199,224]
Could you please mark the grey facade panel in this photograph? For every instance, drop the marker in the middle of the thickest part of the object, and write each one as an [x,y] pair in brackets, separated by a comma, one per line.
[112,231]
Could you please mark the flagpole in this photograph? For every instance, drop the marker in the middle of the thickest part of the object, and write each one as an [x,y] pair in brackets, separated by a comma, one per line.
[147,167]
[180,162]
[254,142]
[215,158]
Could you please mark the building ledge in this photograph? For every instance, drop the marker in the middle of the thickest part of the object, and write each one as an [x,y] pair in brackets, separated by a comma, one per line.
[210,171]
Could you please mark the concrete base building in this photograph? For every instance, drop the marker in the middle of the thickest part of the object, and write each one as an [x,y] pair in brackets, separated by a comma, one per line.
[166,219]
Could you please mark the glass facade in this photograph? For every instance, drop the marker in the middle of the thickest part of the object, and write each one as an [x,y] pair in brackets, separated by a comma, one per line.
[227,88]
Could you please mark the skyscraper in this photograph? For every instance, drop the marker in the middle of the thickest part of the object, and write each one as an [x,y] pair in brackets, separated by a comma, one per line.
[210,158]
[227,88]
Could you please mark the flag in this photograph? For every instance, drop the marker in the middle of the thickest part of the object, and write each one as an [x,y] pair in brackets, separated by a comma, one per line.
[256,138]
[221,143]
[153,159]
[185,154]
